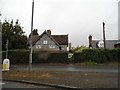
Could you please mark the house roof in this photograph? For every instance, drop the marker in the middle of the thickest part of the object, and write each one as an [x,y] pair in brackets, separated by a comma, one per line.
[109,43]
[61,39]
[50,36]
[117,44]
[58,39]
[35,38]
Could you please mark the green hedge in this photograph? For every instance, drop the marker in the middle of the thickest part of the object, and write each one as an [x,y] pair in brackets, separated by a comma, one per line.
[97,55]
[45,57]
[86,55]
[22,56]
[17,56]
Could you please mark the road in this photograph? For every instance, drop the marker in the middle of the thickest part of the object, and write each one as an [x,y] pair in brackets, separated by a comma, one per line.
[112,73]
[69,67]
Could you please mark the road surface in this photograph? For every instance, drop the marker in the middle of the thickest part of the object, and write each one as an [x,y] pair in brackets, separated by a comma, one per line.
[69,67]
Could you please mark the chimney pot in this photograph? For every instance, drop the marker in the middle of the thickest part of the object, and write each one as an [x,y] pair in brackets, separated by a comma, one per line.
[49,32]
[90,41]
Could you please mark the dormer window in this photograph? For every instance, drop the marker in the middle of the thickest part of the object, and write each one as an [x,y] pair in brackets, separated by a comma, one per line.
[45,42]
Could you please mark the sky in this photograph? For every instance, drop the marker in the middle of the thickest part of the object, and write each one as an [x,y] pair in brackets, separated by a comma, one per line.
[77,18]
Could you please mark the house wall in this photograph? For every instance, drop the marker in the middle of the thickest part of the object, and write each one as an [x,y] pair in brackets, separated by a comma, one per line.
[117,45]
[64,47]
[45,43]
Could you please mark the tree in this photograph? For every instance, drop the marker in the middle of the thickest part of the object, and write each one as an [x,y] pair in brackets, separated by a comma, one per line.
[35,32]
[7,34]
[79,49]
[17,30]
[14,34]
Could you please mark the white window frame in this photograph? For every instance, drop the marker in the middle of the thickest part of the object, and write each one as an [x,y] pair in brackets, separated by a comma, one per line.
[51,46]
[38,46]
[45,42]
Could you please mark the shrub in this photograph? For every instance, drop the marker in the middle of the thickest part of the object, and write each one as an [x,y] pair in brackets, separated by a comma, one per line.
[22,56]
[86,55]
[45,57]
[97,55]
[17,56]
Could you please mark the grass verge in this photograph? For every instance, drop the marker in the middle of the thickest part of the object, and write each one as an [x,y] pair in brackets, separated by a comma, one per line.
[75,79]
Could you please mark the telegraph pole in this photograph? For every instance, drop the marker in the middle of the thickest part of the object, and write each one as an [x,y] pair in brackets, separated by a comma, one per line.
[104,35]
[31,49]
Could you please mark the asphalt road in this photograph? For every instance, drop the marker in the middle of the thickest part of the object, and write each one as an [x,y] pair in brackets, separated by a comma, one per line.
[69,67]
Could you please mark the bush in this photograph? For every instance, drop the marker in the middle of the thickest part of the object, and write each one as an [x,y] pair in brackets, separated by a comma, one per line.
[78,58]
[86,55]
[45,57]
[22,56]
[97,55]
[17,56]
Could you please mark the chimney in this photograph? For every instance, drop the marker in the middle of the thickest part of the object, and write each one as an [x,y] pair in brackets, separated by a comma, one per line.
[90,41]
[49,32]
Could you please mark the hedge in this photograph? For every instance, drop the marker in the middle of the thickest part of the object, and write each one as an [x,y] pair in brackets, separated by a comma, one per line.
[17,56]
[97,55]
[22,56]
[45,57]
[86,55]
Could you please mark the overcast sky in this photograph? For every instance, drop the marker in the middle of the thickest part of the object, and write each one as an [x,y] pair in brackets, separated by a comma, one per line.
[77,18]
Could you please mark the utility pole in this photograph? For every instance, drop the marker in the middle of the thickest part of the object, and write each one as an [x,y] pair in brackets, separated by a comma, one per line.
[104,35]
[0,14]
[31,49]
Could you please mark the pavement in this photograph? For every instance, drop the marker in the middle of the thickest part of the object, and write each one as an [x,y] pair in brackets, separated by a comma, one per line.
[12,84]
[30,84]
[24,85]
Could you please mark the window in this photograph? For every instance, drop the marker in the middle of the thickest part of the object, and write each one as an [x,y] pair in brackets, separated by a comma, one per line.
[45,42]
[51,46]
[38,46]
